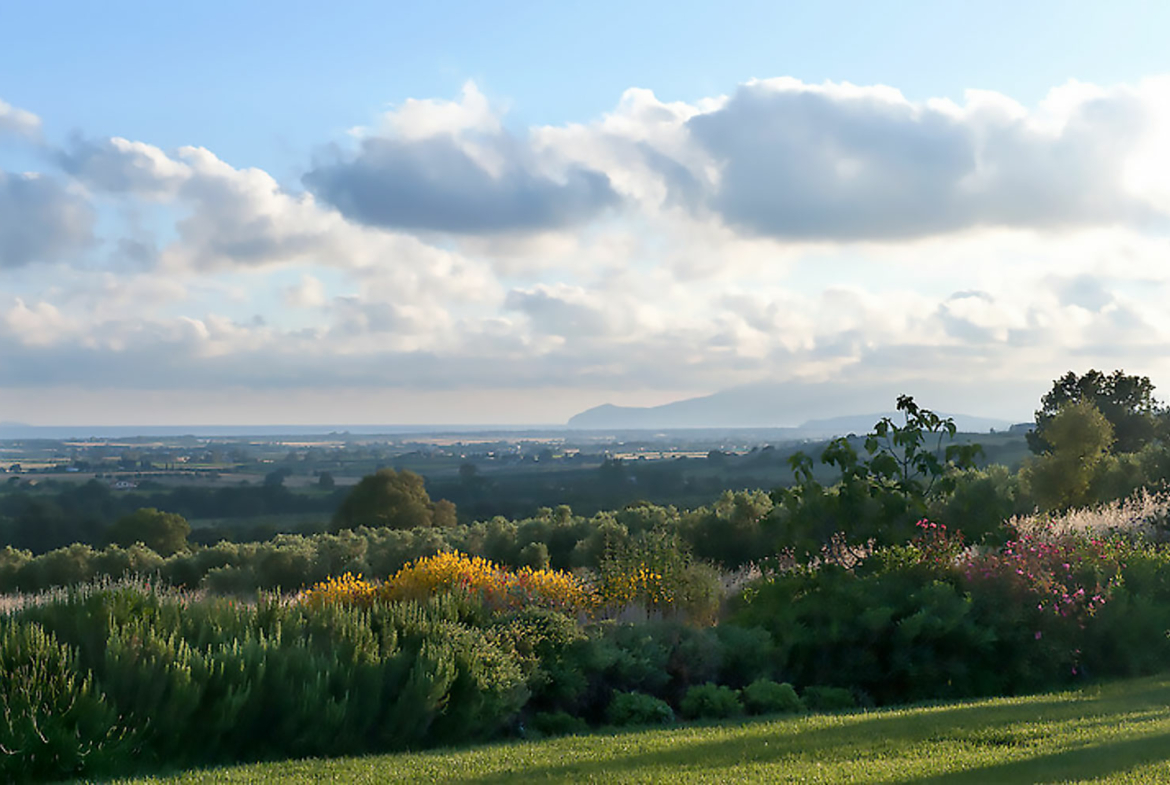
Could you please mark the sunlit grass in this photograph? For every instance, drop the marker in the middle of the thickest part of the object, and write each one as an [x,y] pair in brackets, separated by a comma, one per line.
[1118,732]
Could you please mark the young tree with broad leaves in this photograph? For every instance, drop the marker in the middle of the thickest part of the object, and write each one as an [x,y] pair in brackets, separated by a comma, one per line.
[1126,401]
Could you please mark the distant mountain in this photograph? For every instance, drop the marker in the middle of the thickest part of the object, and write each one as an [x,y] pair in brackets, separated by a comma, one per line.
[805,409]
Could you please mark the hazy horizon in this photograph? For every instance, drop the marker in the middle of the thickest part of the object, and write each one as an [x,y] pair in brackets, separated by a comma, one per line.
[98,430]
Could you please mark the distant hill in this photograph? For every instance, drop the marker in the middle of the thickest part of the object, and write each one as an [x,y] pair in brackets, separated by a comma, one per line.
[761,406]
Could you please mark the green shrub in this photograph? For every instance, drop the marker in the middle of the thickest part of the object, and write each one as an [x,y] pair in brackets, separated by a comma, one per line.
[117,562]
[709,701]
[638,708]
[12,562]
[279,680]
[542,641]
[231,580]
[730,532]
[931,620]
[557,723]
[900,630]
[981,501]
[634,658]
[748,654]
[534,555]
[586,665]
[54,724]
[764,696]
[672,583]
[63,567]
[829,698]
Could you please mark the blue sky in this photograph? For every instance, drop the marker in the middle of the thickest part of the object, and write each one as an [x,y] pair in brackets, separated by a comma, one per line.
[264,83]
[552,205]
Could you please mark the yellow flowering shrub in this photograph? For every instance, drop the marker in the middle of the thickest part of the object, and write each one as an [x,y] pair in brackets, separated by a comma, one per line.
[347,589]
[619,585]
[498,587]
[620,588]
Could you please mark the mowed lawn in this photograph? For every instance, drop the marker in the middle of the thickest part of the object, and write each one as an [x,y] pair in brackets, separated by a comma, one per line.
[1118,732]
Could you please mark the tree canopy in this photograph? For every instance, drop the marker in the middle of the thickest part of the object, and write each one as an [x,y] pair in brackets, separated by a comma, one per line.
[1126,401]
[1079,438]
[165,533]
[398,500]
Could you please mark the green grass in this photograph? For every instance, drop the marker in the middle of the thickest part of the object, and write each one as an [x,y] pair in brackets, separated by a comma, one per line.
[1119,732]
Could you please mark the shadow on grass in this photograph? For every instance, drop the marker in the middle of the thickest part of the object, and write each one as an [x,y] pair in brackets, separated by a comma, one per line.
[858,737]
[1087,762]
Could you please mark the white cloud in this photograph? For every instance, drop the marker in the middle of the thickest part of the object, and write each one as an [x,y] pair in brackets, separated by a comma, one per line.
[452,167]
[839,162]
[418,119]
[242,219]
[836,162]
[1146,171]
[308,293]
[121,166]
[18,121]
[41,325]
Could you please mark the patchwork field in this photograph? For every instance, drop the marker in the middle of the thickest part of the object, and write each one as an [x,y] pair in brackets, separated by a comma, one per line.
[1118,732]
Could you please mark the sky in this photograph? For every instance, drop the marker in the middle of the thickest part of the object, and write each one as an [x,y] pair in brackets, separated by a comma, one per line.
[458,212]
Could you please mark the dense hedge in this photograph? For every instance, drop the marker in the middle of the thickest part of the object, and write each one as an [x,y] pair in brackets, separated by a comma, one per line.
[556,538]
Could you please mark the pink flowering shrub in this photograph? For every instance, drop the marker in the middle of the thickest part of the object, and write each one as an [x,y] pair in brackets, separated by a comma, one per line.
[1069,577]
[1059,584]
[938,617]
[935,546]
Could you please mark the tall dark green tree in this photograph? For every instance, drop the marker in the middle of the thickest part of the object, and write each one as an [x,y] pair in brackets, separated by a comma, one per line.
[398,500]
[1127,402]
[165,533]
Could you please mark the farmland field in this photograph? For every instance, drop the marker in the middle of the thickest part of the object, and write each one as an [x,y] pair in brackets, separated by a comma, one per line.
[1118,732]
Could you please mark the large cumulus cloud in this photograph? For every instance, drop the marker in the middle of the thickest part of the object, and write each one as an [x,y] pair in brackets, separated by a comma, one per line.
[796,162]
[434,185]
[836,162]
[452,168]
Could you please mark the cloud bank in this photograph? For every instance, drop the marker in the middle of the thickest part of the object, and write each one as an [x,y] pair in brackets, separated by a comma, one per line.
[784,231]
